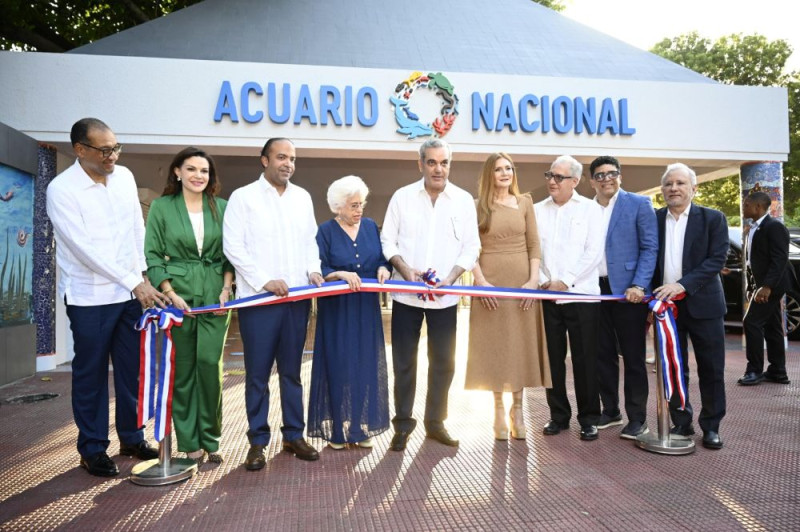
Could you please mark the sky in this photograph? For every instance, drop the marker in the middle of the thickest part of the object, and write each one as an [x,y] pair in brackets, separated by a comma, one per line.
[643,23]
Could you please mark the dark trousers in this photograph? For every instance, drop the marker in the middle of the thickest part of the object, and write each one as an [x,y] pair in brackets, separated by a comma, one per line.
[274,334]
[765,321]
[623,325]
[406,326]
[578,322]
[708,342]
[100,332]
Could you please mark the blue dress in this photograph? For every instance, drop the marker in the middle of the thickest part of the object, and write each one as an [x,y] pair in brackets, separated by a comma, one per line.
[349,398]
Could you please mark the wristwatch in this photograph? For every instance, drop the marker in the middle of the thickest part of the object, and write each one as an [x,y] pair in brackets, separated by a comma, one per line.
[636,286]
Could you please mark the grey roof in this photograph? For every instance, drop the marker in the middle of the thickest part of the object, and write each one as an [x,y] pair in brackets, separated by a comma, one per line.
[517,37]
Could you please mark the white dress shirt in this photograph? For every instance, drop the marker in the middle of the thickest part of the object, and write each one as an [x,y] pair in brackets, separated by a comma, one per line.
[750,234]
[608,210]
[99,232]
[572,243]
[427,235]
[674,234]
[268,236]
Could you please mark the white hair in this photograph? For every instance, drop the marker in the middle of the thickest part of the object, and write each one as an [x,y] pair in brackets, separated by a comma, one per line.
[680,167]
[343,189]
[575,168]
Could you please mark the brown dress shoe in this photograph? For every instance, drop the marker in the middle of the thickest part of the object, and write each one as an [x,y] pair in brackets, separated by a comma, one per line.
[301,449]
[255,458]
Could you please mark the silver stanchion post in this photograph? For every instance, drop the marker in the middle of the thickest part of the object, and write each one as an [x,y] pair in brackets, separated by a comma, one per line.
[663,442]
[164,469]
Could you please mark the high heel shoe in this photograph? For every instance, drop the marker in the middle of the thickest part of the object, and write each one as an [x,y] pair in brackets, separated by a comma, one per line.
[500,427]
[518,431]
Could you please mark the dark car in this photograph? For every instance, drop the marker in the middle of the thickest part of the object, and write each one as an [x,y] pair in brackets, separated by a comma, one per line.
[794,235]
[733,284]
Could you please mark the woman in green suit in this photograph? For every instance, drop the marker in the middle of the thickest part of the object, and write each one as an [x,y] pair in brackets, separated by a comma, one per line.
[183,247]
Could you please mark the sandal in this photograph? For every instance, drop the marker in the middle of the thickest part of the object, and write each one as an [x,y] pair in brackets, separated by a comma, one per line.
[215,458]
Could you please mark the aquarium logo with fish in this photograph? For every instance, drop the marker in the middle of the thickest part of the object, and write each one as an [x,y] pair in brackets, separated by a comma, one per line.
[433,95]
[16,247]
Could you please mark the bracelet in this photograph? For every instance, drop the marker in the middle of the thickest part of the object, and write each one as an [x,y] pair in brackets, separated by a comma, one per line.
[226,288]
[165,292]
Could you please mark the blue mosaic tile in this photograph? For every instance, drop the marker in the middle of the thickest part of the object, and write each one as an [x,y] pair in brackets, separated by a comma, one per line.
[44,256]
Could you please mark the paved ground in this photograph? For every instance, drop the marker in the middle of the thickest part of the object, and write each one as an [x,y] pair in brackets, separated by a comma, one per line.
[542,483]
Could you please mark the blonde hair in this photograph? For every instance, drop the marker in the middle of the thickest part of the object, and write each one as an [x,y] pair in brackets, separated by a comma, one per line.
[486,188]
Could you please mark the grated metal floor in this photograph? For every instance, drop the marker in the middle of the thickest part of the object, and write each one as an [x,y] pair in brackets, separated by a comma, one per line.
[542,483]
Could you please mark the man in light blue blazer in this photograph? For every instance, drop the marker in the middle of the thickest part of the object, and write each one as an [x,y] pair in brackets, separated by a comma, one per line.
[629,259]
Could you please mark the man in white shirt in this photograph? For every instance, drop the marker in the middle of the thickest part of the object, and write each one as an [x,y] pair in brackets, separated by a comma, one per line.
[99,231]
[571,231]
[693,247]
[430,224]
[628,260]
[269,235]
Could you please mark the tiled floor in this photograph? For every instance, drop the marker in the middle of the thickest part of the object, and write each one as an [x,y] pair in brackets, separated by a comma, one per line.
[542,483]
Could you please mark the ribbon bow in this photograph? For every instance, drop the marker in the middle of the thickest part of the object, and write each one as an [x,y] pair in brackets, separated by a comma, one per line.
[156,369]
[665,313]
[430,280]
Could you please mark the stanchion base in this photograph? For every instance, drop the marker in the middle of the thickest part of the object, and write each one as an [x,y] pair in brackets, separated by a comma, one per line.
[151,473]
[673,446]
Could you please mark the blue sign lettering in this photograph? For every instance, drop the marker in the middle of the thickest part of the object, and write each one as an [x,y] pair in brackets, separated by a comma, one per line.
[564,115]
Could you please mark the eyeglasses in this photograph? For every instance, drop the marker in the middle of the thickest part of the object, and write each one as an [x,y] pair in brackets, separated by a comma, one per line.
[558,178]
[602,176]
[105,151]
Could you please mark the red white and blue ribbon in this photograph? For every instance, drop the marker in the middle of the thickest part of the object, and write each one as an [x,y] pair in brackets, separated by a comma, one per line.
[157,370]
[335,288]
[669,350]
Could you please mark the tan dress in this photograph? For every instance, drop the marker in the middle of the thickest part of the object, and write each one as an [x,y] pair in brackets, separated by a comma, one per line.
[507,349]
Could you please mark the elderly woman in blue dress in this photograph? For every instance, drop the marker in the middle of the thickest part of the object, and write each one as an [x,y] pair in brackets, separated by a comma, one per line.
[349,401]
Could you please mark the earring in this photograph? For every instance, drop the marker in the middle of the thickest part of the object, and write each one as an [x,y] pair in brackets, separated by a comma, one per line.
[179,179]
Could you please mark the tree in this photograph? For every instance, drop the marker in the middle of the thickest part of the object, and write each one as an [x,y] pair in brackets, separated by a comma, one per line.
[555,5]
[61,25]
[744,60]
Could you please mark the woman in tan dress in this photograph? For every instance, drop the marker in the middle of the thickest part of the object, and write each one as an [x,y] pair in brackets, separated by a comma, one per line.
[507,349]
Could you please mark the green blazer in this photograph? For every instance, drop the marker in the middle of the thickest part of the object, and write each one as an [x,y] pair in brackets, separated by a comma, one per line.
[171,250]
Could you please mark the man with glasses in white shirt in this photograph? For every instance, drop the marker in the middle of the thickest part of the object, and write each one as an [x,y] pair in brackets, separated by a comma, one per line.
[693,246]
[430,224]
[628,260]
[269,235]
[571,231]
[99,231]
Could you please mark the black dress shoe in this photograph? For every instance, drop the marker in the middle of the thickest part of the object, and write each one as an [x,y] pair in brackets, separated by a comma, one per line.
[751,378]
[301,449]
[400,440]
[711,440]
[683,431]
[780,379]
[255,458]
[100,465]
[141,450]
[552,428]
[442,436]
[589,433]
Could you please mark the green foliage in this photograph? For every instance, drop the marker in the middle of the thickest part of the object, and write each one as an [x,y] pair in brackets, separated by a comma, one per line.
[555,5]
[61,25]
[744,60]
[734,59]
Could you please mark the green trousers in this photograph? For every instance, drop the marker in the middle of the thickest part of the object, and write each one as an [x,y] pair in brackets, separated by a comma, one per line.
[197,391]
